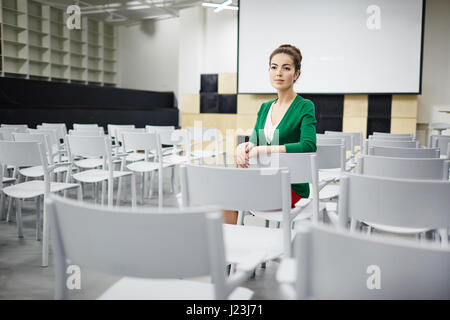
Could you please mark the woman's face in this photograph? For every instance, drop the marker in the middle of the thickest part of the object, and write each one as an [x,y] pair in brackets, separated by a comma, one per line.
[282,71]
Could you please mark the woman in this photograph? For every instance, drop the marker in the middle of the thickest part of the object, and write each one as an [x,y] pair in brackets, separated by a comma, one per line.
[285,124]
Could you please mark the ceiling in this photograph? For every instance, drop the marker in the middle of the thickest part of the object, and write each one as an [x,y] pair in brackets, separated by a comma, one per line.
[128,12]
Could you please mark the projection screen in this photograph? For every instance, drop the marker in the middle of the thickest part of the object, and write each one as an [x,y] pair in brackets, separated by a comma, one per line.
[348,46]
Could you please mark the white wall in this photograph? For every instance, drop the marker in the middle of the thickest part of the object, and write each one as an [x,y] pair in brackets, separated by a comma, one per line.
[208,44]
[148,55]
[436,63]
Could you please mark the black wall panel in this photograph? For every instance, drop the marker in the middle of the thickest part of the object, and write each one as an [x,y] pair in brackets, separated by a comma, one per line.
[227,103]
[379,114]
[209,102]
[209,82]
[329,111]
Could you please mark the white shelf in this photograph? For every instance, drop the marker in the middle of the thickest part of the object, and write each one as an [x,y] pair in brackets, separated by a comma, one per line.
[32,28]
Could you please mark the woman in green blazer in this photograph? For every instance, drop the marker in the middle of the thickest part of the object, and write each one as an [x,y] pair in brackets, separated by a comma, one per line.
[285,124]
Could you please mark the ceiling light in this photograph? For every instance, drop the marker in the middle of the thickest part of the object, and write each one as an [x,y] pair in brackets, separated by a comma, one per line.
[217,5]
[223,5]
[138,7]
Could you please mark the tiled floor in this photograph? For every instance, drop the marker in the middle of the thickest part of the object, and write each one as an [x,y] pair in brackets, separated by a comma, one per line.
[22,277]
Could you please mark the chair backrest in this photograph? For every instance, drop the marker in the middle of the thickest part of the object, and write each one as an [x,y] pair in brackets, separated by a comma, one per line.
[330,156]
[121,131]
[22,154]
[404,152]
[51,133]
[389,143]
[97,132]
[141,243]
[62,128]
[404,203]
[441,142]
[404,168]
[83,126]
[150,128]
[357,137]
[348,139]
[246,189]
[386,134]
[88,146]
[332,264]
[391,138]
[302,169]
[7,133]
[112,129]
[41,138]
[142,141]
[21,128]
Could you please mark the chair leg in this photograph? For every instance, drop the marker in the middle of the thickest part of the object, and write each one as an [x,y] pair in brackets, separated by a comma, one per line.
[160,188]
[110,191]
[150,193]
[133,190]
[172,179]
[38,218]
[225,159]
[19,217]
[104,191]
[10,204]
[80,193]
[119,191]
[94,188]
[2,205]
[142,188]
[46,239]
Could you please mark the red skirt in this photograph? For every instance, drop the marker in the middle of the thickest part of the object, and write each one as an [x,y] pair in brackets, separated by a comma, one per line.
[295,198]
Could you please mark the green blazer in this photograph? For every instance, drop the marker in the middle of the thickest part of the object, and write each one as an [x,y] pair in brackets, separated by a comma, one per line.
[296,131]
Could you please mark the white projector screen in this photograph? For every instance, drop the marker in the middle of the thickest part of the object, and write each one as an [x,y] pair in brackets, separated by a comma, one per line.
[348,46]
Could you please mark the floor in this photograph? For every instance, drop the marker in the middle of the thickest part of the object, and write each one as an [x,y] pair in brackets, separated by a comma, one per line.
[22,277]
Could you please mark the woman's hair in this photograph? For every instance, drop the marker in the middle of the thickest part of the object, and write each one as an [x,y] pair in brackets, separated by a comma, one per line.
[294,52]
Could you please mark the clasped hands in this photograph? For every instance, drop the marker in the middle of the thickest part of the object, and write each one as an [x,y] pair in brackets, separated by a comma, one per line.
[244,152]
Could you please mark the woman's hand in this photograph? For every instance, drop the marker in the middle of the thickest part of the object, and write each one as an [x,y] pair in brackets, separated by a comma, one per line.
[242,154]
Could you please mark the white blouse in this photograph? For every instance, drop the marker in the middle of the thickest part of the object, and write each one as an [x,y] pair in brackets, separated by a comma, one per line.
[269,128]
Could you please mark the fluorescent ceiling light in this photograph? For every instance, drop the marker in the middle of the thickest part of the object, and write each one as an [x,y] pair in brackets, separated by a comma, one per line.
[217,5]
[134,3]
[223,5]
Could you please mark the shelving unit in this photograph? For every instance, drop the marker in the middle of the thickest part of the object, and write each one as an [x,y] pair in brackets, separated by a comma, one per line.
[36,43]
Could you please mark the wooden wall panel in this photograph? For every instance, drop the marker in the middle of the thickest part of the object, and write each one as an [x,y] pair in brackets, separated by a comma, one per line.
[227,83]
[250,103]
[190,103]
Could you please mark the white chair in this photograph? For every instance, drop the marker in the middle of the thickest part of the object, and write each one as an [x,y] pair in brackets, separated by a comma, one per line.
[150,128]
[149,142]
[85,126]
[331,264]
[21,154]
[404,168]
[112,131]
[87,132]
[61,127]
[440,142]
[213,150]
[357,139]
[403,206]
[242,190]
[21,128]
[7,133]
[391,138]
[387,134]
[438,126]
[147,249]
[302,169]
[331,164]
[404,152]
[99,147]
[389,143]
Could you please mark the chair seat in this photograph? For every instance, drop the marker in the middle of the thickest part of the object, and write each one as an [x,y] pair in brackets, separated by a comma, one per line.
[97,175]
[277,215]
[35,188]
[132,157]
[89,163]
[329,192]
[145,166]
[176,159]
[148,289]
[244,241]
[327,174]
[8,180]
[205,153]
[37,171]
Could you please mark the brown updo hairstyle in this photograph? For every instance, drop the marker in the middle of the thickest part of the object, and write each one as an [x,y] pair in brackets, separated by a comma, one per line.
[295,54]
